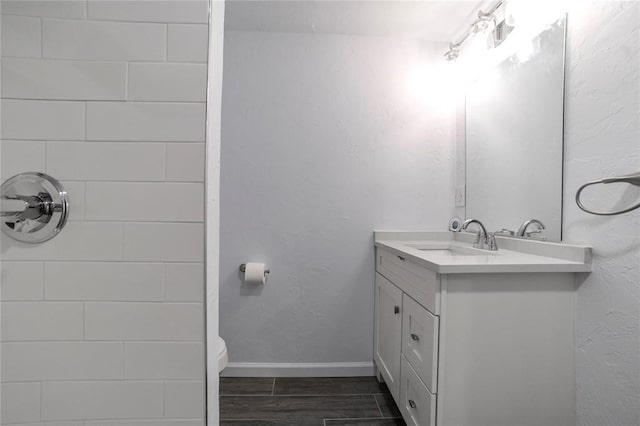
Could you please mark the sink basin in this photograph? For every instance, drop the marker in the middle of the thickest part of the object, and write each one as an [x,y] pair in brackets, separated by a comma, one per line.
[451,252]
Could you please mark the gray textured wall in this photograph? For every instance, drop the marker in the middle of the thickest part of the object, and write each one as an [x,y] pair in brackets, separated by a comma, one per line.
[324,139]
[603,139]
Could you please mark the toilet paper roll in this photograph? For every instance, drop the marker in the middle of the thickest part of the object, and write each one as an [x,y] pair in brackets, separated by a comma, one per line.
[255,273]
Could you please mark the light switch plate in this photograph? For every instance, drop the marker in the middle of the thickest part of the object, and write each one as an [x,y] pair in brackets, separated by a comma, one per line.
[461,196]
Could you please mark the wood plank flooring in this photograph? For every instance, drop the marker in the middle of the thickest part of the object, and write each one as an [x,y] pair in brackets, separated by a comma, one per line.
[306,401]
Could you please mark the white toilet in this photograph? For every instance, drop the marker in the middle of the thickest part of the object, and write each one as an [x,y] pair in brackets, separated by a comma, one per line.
[222,354]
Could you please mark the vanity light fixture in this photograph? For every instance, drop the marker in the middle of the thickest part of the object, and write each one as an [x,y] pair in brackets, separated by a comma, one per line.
[479,26]
[482,23]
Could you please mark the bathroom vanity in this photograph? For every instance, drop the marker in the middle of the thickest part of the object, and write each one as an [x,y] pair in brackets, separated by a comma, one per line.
[470,337]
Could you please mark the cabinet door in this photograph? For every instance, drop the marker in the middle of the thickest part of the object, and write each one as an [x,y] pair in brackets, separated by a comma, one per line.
[388,337]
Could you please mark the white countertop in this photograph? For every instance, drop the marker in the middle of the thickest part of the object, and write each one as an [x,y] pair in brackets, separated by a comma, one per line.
[513,255]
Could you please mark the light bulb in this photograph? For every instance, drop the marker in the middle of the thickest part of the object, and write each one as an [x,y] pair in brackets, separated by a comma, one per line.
[479,26]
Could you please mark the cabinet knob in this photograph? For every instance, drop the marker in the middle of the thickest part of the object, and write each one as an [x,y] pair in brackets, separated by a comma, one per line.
[396,309]
[412,403]
[415,337]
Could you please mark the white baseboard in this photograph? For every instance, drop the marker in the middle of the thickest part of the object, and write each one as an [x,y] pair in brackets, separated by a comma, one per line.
[328,369]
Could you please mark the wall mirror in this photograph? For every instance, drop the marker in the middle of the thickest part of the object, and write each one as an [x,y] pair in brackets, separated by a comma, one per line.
[514,138]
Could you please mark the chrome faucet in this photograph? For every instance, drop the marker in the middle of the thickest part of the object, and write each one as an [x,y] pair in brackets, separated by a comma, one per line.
[484,240]
[523,230]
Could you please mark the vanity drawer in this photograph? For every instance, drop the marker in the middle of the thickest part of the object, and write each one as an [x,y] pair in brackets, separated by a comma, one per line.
[420,283]
[420,341]
[417,404]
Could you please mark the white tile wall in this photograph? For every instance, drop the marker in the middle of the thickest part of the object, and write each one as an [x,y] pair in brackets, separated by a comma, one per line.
[22,281]
[72,9]
[187,43]
[185,162]
[104,324]
[144,321]
[90,40]
[170,242]
[145,121]
[110,161]
[37,361]
[21,156]
[75,192]
[24,78]
[102,399]
[167,82]
[43,120]
[191,11]
[163,361]
[24,321]
[176,405]
[65,423]
[145,202]
[190,422]
[105,281]
[20,402]
[184,282]
[79,241]
[21,36]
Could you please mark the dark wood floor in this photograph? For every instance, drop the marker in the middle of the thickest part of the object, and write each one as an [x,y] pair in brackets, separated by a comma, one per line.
[316,401]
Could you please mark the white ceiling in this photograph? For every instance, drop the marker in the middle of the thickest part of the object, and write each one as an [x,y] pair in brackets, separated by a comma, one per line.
[426,20]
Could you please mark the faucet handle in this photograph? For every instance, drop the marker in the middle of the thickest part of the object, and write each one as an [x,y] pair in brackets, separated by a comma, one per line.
[492,244]
[505,231]
[529,233]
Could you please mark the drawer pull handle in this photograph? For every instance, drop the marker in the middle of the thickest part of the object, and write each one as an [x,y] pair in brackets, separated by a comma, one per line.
[401,258]
[412,403]
[396,310]
[415,337]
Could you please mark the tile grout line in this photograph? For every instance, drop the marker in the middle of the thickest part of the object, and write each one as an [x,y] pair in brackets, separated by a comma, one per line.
[164,399]
[166,162]
[227,419]
[41,400]
[289,395]
[124,360]
[118,60]
[84,201]
[78,340]
[86,113]
[164,281]
[362,418]
[41,37]
[124,237]
[126,82]
[265,395]
[99,101]
[46,156]
[44,283]
[111,380]
[378,405]
[84,321]
[166,43]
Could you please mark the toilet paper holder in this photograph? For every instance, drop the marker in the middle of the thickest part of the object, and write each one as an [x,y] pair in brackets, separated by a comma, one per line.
[243,267]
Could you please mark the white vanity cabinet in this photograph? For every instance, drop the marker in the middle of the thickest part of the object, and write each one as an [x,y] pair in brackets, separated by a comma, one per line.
[475,349]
